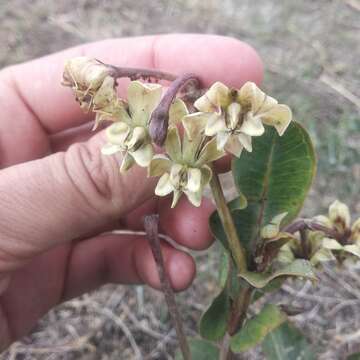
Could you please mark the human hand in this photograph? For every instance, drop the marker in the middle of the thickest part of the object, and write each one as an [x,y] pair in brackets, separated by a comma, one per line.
[59,195]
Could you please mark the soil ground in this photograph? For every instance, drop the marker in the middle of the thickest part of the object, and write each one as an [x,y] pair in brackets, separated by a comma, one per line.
[310,49]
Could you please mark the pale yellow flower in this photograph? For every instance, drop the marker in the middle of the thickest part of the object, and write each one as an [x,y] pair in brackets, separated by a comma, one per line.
[339,220]
[273,241]
[130,135]
[184,168]
[317,253]
[234,116]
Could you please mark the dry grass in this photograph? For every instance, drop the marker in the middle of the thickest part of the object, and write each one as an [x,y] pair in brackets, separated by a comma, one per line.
[311,51]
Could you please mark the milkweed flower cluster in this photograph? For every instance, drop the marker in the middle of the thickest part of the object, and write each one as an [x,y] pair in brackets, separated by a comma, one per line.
[342,240]
[234,116]
[225,121]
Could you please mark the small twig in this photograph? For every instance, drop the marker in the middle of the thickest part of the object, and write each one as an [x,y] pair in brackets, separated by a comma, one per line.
[151,228]
[119,322]
[340,89]
[160,116]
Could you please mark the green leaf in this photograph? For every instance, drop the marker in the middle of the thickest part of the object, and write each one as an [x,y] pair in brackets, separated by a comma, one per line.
[245,220]
[256,328]
[213,322]
[278,173]
[299,267]
[200,350]
[228,275]
[272,286]
[287,342]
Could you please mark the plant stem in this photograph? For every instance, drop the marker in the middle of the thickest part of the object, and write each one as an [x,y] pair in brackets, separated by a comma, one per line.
[303,224]
[139,73]
[227,221]
[238,313]
[236,320]
[225,351]
[151,229]
[160,116]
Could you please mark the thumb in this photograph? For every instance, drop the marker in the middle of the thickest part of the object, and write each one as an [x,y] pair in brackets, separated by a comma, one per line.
[64,196]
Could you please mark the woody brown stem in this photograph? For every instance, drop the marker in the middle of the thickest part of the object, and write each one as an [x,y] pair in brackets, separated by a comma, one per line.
[151,228]
[159,120]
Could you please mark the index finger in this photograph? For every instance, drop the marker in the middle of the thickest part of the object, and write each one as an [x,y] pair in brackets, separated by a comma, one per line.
[211,57]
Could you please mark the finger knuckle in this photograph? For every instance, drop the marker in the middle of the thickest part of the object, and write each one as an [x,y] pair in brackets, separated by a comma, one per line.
[93,175]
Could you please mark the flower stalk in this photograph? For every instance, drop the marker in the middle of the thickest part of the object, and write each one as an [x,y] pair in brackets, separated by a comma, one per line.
[139,73]
[160,117]
[237,250]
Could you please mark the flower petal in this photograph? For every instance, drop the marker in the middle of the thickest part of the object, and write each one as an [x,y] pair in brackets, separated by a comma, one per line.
[206,175]
[221,139]
[252,125]
[251,97]
[143,99]
[285,254]
[173,144]
[143,155]
[234,146]
[176,198]
[193,179]
[194,197]
[245,140]
[355,231]
[331,244]
[339,215]
[323,220]
[106,93]
[137,138]
[233,114]
[322,255]
[177,111]
[216,123]
[353,249]
[190,148]
[176,174]
[127,163]
[110,149]
[209,153]
[164,186]
[195,123]
[117,133]
[216,97]
[159,165]
[272,229]
[278,116]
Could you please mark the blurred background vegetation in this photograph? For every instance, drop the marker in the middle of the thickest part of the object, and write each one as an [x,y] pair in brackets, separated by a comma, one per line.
[311,54]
